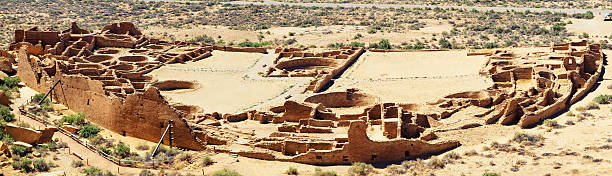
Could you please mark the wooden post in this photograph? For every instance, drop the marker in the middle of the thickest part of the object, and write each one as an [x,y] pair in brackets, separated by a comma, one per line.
[118,170]
[87,160]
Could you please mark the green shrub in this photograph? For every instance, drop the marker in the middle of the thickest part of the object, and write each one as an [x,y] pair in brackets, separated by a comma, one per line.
[89,131]
[104,150]
[248,43]
[525,137]
[452,156]
[292,171]
[11,82]
[92,171]
[550,123]
[6,114]
[445,43]
[19,150]
[603,99]
[184,157]
[77,163]
[40,165]
[592,106]
[434,162]
[75,119]
[226,172]
[359,168]
[207,161]
[145,172]
[357,44]
[319,172]
[490,174]
[121,150]
[22,164]
[142,147]
[38,97]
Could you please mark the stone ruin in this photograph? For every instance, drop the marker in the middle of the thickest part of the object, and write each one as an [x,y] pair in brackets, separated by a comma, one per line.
[103,75]
[323,66]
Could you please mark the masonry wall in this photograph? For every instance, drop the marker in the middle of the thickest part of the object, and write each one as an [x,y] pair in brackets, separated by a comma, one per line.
[141,115]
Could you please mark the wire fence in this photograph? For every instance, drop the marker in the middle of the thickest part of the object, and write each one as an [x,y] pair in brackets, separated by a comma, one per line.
[153,164]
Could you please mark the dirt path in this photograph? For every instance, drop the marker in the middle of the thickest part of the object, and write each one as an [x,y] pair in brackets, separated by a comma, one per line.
[88,156]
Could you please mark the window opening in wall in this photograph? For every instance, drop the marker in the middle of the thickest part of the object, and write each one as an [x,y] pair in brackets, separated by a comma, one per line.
[319,157]
[344,158]
[161,124]
[123,133]
[87,101]
[406,154]
[373,157]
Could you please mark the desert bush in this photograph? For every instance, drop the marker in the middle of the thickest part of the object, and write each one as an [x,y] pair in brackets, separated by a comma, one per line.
[89,131]
[40,165]
[38,97]
[22,164]
[292,171]
[248,43]
[202,38]
[11,82]
[207,161]
[75,119]
[92,171]
[525,137]
[319,172]
[77,163]
[550,123]
[142,146]
[184,157]
[490,174]
[226,172]
[359,168]
[603,99]
[357,44]
[434,163]
[23,124]
[18,150]
[6,114]
[445,43]
[145,172]
[396,170]
[452,156]
[51,145]
[105,150]
[591,106]
[121,150]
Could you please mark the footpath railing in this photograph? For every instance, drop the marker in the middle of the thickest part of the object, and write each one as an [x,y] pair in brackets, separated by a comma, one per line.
[153,164]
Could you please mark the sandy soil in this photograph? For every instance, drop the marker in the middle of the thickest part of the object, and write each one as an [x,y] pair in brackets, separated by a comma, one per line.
[223,86]
[578,146]
[318,36]
[414,77]
[595,27]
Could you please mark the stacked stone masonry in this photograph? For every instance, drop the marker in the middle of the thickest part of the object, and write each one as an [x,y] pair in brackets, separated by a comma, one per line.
[103,74]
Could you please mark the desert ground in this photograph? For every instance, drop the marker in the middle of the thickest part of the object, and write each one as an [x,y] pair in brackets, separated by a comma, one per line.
[413,57]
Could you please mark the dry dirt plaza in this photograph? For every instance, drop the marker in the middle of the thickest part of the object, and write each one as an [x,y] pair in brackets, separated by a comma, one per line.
[101,101]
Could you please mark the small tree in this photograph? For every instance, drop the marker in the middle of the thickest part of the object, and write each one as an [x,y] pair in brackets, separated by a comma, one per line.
[41,166]
[359,168]
[121,150]
[89,131]
[445,43]
[6,114]
[22,164]
[292,171]
[19,150]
